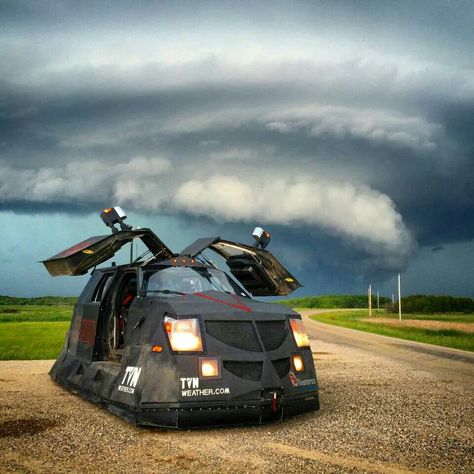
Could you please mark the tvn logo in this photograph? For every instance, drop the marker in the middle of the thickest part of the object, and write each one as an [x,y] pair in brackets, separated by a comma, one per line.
[189,382]
[130,379]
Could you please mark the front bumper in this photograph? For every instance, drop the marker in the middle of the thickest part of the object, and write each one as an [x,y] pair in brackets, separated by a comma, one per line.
[194,415]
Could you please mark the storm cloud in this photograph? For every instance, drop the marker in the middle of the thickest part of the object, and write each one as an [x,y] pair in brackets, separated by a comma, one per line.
[357,132]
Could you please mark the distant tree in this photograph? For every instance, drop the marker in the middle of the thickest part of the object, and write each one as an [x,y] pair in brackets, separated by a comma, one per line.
[334,301]
[42,300]
[429,304]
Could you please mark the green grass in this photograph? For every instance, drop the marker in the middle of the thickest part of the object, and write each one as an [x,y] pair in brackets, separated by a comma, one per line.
[32,340]
[453,317]
[20,313]
[441,337]
[32,332]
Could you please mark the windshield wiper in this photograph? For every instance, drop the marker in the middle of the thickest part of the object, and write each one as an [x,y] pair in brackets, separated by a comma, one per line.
[166,292]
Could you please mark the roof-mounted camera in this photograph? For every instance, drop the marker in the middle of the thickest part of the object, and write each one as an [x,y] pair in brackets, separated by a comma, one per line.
[262,237]
[115,215]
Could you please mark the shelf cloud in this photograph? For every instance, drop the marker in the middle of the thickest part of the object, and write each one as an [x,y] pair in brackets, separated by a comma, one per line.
[329,118]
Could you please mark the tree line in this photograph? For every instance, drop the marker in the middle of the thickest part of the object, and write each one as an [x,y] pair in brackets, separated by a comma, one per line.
[433,304]
[39,301]
[334,301]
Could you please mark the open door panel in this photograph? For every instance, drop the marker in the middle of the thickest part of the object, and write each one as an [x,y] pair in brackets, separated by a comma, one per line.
[257,270]
[79,258]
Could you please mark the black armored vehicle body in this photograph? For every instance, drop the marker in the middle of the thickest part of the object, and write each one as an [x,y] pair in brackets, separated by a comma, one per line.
[173,341]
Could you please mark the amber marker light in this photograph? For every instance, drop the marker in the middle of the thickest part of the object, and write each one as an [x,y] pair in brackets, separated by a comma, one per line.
[298,363]
[157,349]
[209,367]
[299,333]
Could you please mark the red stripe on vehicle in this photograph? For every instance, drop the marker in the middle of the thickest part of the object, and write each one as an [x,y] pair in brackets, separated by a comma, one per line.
[210,298]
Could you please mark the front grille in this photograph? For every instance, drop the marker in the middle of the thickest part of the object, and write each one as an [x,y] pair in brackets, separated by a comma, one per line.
[273,333]
[239,334]
[245,370]
[282,366]
[242,334]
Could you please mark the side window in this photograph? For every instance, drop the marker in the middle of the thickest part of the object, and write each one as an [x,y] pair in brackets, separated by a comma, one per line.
[101,289]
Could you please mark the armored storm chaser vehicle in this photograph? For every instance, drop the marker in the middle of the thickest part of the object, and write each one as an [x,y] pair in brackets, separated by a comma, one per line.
[172,341]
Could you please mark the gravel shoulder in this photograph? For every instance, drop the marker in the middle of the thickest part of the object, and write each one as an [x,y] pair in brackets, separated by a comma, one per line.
[379,413]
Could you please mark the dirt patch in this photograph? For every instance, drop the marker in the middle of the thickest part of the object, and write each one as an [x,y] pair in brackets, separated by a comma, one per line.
[26,426]
[423,324]
[342,462]
[9,311]
[179,461]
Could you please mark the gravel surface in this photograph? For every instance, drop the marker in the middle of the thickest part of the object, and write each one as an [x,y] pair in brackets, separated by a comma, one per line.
[377,415]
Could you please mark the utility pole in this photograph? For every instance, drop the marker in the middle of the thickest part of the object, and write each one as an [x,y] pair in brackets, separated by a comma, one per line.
[378,301]
[399,300]
[370,300]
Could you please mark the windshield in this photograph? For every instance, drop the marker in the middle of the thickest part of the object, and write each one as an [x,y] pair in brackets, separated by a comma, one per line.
[185,280]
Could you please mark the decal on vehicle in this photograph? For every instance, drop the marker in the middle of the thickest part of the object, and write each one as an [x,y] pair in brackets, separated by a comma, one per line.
[307,382]
[130,379]
[190,388]
[293,379]
[87,331]
[189,382]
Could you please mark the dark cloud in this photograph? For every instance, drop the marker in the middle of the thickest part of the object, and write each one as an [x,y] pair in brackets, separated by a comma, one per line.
[353,139]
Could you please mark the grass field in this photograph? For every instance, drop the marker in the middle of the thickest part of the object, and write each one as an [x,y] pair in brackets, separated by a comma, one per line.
[454,338]
[20,313]
[32,332]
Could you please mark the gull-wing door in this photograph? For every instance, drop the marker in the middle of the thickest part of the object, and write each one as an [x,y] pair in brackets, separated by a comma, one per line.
[79,258]
[258,271]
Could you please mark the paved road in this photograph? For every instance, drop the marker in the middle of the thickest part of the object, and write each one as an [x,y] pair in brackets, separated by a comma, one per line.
[449,364]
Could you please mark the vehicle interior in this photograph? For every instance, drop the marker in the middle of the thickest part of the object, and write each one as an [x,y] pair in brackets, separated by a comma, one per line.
[122,299]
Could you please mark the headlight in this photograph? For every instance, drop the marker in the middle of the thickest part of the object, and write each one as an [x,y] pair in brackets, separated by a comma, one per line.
[299,333]
[184,334]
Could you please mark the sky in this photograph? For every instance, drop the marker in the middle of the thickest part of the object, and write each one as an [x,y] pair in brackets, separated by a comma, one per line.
[345,128]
